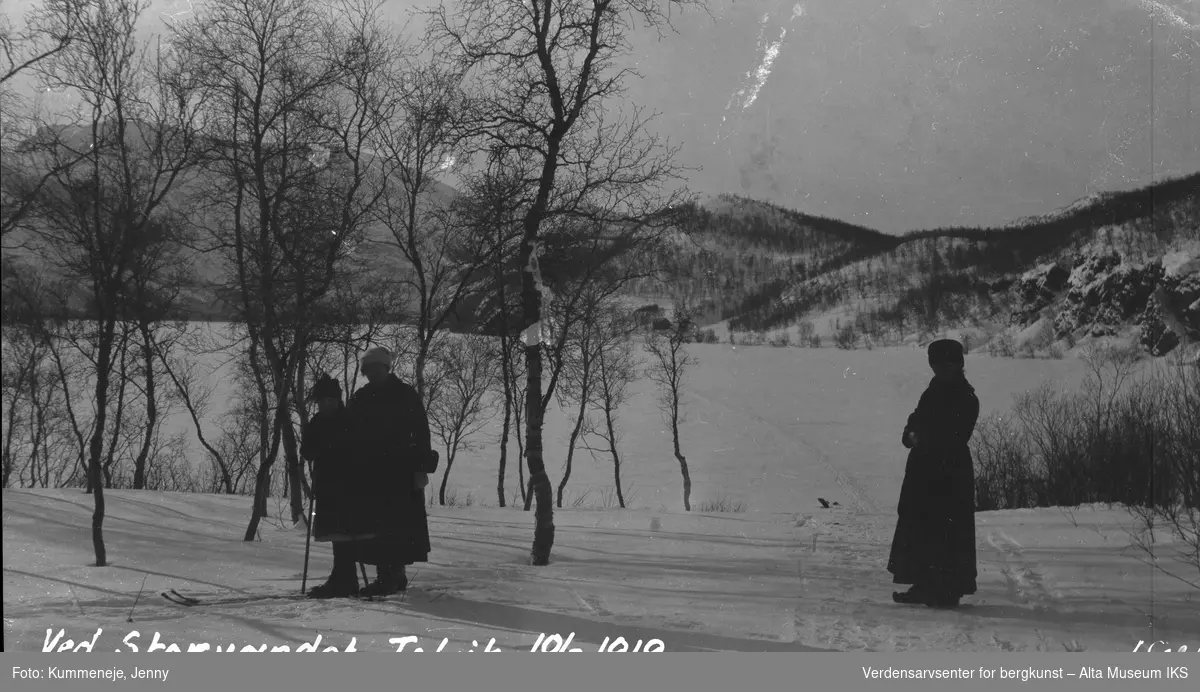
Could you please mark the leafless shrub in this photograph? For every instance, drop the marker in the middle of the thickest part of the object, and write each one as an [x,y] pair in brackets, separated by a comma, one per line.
[1120,440]
[722,504]
[462,396]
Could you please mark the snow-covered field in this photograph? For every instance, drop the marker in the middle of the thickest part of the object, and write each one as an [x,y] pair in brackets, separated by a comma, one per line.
[772,428]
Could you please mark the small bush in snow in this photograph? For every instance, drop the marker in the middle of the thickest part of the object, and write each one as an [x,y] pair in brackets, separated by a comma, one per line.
[722,504]
[1003,346]
[581,499]
[453,500]
[846,338]
[610,500]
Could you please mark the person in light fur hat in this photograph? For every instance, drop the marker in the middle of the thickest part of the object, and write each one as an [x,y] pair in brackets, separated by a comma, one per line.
[391,435]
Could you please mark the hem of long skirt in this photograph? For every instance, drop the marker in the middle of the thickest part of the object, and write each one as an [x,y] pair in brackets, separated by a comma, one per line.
[908,581]
[954,591]
[343,537]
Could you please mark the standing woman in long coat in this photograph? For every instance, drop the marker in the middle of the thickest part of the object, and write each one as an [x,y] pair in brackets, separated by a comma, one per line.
[392,441]
[934,544]
[325,442]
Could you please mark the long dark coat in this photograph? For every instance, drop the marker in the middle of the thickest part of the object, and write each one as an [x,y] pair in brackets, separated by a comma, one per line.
[340,512]
[934,543]
[391,440]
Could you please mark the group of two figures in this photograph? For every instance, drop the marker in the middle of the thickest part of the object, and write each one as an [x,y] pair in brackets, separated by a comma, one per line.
[371,460]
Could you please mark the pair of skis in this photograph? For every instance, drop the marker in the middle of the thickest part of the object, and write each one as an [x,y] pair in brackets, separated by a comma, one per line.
[189,601]
[177,598]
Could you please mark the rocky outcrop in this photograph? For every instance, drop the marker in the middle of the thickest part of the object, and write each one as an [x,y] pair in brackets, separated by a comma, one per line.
[1102,293]
[1157,337]
[1173,310]
[1036,290]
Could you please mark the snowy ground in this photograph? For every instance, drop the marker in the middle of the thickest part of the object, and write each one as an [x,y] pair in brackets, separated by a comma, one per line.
[772,428]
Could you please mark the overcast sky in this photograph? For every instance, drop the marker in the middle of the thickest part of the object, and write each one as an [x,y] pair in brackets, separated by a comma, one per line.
[903,114]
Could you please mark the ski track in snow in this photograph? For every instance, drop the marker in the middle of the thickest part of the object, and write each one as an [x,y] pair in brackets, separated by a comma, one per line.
[1024,580]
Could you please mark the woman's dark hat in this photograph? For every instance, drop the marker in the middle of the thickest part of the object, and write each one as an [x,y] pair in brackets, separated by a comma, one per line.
[946,351]
[325,387]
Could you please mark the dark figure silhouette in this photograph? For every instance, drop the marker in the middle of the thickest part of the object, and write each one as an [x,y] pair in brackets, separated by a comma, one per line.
[326,443]
[934,545]
[391,441]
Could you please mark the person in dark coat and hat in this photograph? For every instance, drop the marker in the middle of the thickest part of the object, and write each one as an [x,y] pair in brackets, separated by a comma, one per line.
[325,442]
[934,544]
[392,441]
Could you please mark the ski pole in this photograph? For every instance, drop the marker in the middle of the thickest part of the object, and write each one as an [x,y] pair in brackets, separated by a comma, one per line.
[307,539]
[307,542]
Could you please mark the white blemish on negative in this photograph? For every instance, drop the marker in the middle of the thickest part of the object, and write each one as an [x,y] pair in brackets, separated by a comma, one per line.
[755,79]
[761,74]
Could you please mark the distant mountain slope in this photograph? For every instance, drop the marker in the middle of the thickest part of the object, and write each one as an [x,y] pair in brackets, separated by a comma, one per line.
[739,252]
[961,276]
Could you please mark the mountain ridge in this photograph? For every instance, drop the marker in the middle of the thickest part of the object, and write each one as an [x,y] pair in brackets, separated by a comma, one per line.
[932,279]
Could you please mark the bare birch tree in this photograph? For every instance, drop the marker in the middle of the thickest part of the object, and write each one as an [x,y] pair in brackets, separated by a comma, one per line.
[615,369]
[669,364]
[423,137]
[294,89]
[100,218]
[577,383]
[547,76]
[490,205]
